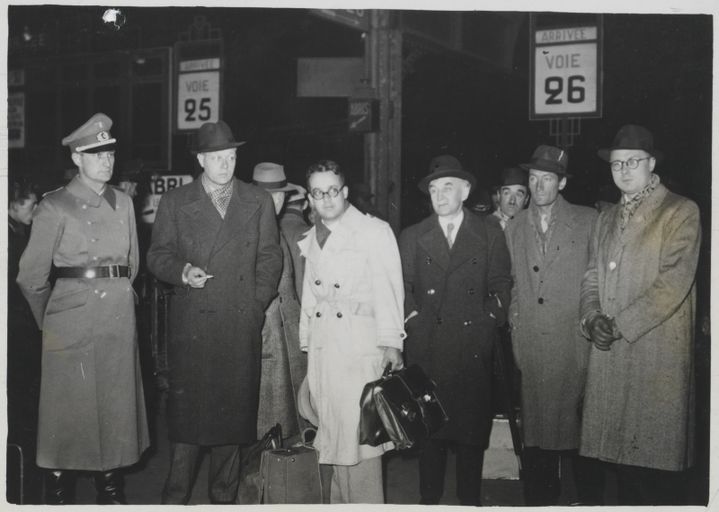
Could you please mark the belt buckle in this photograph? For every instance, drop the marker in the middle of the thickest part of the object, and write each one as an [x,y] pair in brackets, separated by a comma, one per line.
[114,270]
[89,273]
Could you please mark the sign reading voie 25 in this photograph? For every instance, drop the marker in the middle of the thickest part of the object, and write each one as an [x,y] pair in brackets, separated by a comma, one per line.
[198,93]
[566,72]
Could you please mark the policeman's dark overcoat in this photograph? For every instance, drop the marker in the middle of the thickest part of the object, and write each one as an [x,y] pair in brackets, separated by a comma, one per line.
[92,411]
[215,344]
[452,336]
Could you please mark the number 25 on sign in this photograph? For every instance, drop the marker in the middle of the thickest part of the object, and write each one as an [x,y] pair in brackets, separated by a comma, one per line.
[198,97]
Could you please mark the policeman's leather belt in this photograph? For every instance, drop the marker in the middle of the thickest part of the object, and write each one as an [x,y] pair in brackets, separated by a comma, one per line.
[93,272]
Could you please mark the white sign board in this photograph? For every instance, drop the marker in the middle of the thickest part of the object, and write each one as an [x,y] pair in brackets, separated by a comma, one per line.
[566,73]
[198,99]
[158,186]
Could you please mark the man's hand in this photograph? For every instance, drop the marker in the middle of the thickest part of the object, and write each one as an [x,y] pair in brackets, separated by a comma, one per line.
[394,356]
[603,331]
[196,277]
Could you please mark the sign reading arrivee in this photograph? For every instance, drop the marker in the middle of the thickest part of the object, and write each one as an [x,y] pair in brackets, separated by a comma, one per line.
[198,93]
[566,73]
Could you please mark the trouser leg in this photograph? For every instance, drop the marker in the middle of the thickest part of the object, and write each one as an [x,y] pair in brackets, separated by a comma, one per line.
[224,474]
[183,462]
[432,465]
[360,483]
[469,474]
[541,477]
[60,487]
[589,479]
[647,486]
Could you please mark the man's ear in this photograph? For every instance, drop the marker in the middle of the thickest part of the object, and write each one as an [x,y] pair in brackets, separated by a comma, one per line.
[345,191]
[562,183]
[652,163]
[76,158]
[465,190]
[201,159]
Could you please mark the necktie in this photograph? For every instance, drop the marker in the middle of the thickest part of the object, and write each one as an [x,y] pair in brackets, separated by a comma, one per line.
[450,228]
[543,222]
[322,233]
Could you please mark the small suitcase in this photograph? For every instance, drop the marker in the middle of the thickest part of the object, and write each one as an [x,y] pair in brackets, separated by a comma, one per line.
[291,476]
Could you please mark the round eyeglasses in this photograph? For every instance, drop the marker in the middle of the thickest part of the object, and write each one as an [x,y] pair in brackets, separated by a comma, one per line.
[319,194]
[632,163]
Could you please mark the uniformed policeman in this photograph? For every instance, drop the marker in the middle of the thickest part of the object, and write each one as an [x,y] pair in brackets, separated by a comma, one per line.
[92,413]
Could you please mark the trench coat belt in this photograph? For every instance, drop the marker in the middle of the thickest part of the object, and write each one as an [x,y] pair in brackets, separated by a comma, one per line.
[348,307]
[110,271]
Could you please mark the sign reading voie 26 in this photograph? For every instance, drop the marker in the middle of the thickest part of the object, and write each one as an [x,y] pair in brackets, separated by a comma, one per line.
[198,93]
[566,73]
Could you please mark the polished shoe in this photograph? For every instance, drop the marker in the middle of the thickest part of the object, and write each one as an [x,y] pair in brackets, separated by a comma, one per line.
[59,487]
[110,488]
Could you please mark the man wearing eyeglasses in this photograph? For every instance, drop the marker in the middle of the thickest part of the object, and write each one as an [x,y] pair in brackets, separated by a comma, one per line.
[351,327]
[637,305]
[549,246]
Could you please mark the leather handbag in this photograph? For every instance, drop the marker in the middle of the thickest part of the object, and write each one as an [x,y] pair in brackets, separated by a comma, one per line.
[402,406]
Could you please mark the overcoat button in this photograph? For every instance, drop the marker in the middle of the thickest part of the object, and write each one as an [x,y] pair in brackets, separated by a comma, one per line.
[318,282]
[470,291]
[428,260]
[339,315]
[474,261]
[430,291]
[439,319]
[467,323]
[318,314]
[337,285]
[540,300]
[535,268]
[612,265]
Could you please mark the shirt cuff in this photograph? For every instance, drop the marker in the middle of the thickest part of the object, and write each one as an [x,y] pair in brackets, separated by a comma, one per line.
[187,267]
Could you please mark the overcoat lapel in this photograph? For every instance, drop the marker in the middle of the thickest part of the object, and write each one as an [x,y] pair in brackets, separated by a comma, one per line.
[433,242]
[561,236]
[240,210]
[468,243]
[206,221]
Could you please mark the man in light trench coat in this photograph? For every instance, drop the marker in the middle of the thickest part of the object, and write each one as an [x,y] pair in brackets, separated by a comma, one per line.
[638,303]
[351,326]
[92,411]
[549,246]
[215,240]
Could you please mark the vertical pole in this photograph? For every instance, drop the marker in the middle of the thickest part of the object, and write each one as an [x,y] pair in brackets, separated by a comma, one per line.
[383,60]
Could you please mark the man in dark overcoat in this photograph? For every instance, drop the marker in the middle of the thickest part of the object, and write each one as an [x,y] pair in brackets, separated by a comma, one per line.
[457,288]
[215,240]
[92,411]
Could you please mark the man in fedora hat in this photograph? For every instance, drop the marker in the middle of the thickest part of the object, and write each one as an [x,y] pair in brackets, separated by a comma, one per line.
[637,307]
[457,287]
[92,413]
[283,363]
[215,241]
[511,195]
[350,327]
[549,246]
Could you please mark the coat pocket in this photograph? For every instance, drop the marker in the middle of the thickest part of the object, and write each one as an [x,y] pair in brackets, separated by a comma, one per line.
[67,301]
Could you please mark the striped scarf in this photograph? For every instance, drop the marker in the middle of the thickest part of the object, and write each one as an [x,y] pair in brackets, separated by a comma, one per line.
[219,196]
[630,206]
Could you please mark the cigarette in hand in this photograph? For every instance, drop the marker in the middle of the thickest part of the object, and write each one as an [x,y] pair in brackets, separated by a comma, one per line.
[208,276]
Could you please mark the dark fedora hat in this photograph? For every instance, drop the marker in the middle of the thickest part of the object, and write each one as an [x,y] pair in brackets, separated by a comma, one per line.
[632,136]
[548,159]
[513,176]
[215,137]
[446,166]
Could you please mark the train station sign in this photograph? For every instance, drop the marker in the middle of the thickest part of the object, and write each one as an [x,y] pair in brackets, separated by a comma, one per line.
[198,84]
[566,72]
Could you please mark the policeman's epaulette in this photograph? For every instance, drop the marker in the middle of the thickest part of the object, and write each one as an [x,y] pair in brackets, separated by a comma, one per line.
[52,191]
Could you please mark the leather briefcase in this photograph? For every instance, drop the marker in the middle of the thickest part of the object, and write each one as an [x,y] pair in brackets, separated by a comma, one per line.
[402,406]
